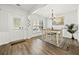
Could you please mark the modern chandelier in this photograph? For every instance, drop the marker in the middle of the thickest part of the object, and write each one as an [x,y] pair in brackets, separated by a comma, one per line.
[53,17]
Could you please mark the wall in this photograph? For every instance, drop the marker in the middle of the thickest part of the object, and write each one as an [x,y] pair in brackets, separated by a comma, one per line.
[69,18]
[78,23]
[35,20]
[7,32]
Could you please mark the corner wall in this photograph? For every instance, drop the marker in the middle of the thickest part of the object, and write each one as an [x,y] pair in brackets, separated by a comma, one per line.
[69,18]
[7,33]
[78,23]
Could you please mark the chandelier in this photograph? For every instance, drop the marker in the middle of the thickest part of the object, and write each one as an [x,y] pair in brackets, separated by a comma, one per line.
[52,15]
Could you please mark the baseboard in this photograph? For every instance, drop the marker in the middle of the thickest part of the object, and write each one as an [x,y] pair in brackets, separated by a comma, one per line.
[14,42]
[17,41]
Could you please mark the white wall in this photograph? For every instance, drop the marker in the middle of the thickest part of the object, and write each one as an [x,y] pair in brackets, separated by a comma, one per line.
[69,18]
[78,23]
[34,18]
[7,33]
[69,12]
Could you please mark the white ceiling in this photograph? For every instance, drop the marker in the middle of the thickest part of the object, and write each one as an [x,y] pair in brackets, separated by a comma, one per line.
[29,8]
[44,9]
[57,8]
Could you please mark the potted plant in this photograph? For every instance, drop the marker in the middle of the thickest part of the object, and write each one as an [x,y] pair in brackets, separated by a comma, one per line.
[72,28]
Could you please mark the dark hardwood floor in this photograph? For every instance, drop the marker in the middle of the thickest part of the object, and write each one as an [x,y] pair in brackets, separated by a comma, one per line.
[31,47]
[71,46]
[36,46]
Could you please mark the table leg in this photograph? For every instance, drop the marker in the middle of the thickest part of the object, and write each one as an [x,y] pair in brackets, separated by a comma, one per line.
[57,37]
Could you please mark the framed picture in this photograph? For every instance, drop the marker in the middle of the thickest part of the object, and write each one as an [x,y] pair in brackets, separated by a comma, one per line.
[58,20]
[16,23]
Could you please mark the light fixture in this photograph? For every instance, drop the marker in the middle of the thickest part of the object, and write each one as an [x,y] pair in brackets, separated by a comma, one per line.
[18,4]
[52,17]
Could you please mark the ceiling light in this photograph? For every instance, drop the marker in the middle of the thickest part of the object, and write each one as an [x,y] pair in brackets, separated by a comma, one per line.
[52,16]
[18,4]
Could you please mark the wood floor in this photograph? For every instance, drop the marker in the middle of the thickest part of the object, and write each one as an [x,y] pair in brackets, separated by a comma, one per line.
[36,46]
[71,46]
[31,47]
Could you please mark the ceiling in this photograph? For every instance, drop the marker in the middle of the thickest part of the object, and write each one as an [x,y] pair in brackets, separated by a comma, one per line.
[45,9]
[29,8]
[57,9]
